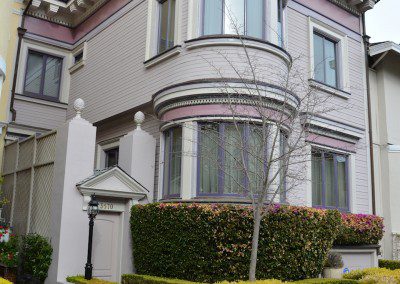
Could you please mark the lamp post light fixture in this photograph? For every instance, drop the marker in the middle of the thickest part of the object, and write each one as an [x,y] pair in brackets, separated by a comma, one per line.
[92,211]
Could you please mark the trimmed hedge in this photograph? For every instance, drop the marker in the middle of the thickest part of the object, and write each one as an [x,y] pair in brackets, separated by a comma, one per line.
[81,280]
[209,243]
[146,279]
[389,264]
[360,229]
[327,281]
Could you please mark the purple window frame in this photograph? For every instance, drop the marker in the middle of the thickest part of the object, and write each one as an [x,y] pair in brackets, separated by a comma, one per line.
[336,188]
[166,192]
[41,95]
[167,47]
[222,32]
[221,160]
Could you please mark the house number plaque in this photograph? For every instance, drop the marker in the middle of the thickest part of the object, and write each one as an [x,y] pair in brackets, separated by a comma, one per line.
[106,206]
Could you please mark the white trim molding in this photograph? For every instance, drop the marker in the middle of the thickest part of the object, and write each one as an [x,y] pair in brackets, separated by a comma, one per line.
[342,50]
[100,152]
[393,148]
[77,65]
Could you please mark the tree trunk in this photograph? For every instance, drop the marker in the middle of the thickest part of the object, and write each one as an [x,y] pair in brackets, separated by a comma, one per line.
[254,244]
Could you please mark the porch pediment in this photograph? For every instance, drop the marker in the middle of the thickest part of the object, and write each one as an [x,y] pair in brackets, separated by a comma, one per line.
[112,182]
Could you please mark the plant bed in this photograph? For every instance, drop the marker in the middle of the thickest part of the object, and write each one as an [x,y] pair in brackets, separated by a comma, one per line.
[81,280]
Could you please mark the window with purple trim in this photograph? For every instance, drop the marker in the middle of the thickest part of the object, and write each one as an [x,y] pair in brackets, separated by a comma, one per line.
[43,76]
[224,150]
[244,17]
[330,177]
[172,162]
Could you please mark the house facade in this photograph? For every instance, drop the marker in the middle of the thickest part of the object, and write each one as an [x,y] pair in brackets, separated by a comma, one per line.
[384,88]
[164,58]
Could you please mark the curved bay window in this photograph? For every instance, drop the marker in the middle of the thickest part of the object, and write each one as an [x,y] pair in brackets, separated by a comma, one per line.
[172,162]
[225,150]
[330,180]
[244,17]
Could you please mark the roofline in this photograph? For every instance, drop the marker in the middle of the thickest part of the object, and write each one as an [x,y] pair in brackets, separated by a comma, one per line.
[384,47]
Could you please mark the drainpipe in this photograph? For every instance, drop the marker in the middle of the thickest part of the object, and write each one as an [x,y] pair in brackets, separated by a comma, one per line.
[371,148]
[21,32]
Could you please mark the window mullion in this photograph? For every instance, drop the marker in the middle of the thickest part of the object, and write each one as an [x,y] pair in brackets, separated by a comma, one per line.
[323,180]
[335,180]
[41,89]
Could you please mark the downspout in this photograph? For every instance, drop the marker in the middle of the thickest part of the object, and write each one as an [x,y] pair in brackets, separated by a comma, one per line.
[21,32]
[371,148]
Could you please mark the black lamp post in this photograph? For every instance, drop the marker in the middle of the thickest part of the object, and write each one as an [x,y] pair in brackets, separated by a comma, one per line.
[92,210]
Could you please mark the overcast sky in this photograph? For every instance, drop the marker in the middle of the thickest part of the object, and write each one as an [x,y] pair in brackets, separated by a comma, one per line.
[383,22]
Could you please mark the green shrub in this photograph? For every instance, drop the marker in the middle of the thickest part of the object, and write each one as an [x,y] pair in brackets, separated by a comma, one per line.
[327,281]
[389,264]
[360,229]
[81,280]
[35,256]
[209,243]
[146,279]
[375,275]
[9,252]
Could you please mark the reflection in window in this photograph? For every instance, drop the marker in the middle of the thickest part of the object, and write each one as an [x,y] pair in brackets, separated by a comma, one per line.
[166,25]
[325,61]
[111,157]
[244,17]
[43,75]
[330,180]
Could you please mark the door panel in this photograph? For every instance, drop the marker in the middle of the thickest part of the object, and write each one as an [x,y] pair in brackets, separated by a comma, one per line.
[105,246]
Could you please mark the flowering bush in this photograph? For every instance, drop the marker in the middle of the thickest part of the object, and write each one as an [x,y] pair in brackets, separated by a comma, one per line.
[4,233]
[209,243]
[9,252]
[360,229]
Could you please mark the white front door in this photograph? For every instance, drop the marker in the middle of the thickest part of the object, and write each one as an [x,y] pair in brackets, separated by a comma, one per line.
[106,239]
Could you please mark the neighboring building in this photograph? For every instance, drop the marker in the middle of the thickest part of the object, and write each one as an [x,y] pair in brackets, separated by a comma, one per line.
[385,102]
[122,56]
[11,11]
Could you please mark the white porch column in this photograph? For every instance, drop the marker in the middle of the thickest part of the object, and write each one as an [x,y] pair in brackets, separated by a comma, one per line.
[189,158]
[74,160]
[137,153]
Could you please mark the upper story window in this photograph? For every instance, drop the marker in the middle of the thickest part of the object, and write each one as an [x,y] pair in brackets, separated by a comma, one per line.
[330,180]
[43,76]
[325,60]
[244,17]
[111,157]
[172,162]
[166,25]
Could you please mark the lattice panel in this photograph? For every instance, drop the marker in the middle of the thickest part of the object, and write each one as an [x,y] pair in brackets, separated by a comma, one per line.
[21,202]
[41,200]
[26,151]
[10,158]
[46,149]
[7,188]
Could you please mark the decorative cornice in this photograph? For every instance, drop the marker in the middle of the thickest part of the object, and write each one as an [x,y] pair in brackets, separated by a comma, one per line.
[356,7]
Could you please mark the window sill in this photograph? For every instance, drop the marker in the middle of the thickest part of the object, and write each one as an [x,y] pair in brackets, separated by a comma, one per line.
[328,89]
[42,101]
[234,40]
[163,56]
[77,66]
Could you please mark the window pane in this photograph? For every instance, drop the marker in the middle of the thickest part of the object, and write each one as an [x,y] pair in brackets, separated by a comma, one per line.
[342,181]
[283,165]
[233,166]
[330,62]
[212,21]
[111,157]
[256,156]
[234,17]
[209,158]
[176,156]
[163,44]
[34,73]
[167,151]
[329,181]
[171,24]
[316,173]
[255,18]
[52,77]
[280,22]
[319,58]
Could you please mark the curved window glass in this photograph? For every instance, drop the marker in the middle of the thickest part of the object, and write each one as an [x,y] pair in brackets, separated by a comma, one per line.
[172,162]
[243,17]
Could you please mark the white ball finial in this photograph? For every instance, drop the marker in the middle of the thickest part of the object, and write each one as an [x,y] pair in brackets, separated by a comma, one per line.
[79,105]
[139,119]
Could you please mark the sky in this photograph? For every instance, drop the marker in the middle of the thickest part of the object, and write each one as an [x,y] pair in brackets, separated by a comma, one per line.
[383,22]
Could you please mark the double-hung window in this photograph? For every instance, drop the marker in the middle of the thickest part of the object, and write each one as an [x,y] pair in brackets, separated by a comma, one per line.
[325,60]
[43,76]
[166,25]
[243,17]
[330,177]
[172,162]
